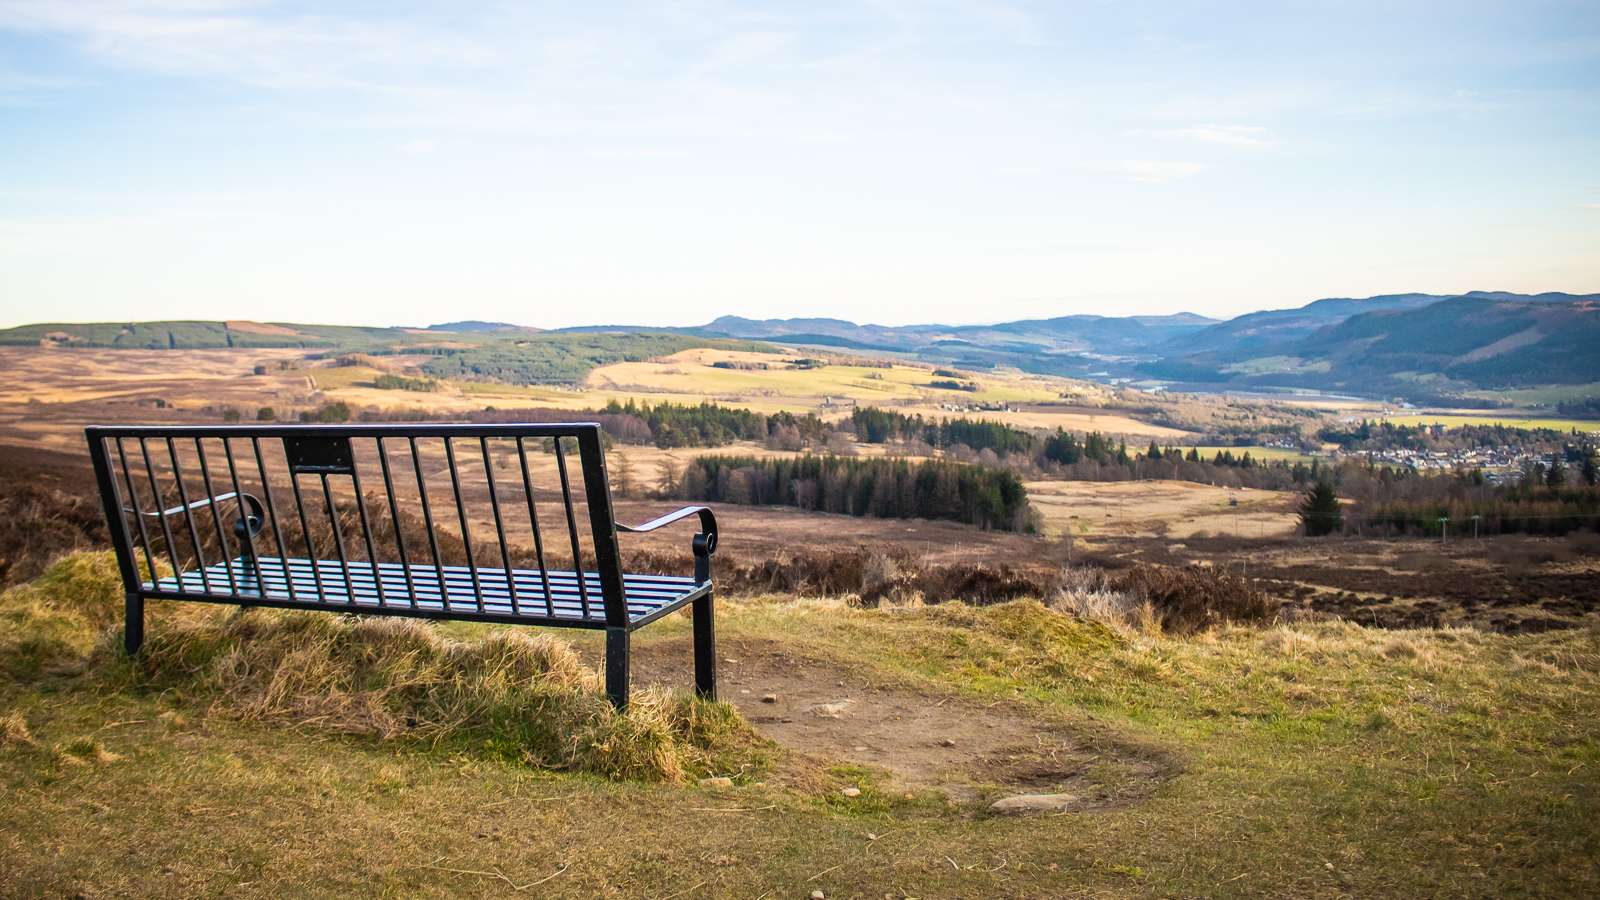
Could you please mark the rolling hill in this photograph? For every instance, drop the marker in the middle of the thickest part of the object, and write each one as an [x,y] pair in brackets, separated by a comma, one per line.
[1437,351]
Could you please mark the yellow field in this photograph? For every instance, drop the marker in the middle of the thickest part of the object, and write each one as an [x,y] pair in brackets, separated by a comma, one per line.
[833,391]
[1509,419]
[1175,509]
[691,372]
[1271,454]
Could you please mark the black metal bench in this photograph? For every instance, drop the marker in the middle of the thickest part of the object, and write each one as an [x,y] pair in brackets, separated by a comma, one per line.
[362,541]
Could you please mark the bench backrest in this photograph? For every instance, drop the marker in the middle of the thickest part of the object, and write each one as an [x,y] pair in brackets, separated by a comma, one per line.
[363,495]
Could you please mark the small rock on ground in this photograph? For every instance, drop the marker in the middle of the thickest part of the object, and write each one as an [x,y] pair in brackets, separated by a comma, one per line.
[851,792]
[1035,803]
[716,782]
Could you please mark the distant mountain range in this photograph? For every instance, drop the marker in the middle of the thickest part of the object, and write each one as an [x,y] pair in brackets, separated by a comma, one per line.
[1418,346]
[1550,341]
[1100,335]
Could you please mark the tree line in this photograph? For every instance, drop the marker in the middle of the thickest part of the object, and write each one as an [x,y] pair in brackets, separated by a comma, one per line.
[880,426]
[883,488]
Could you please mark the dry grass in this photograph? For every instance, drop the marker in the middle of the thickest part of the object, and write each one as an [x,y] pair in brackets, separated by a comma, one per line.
[14,730]
[522,697]
[51,625]
[526,698]
[1318,760]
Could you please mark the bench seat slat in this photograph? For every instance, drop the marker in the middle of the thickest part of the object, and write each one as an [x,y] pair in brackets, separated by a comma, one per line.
[646,595]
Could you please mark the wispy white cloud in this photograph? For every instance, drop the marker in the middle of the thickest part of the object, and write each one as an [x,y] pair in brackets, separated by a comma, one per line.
[1142,170]
[638,152]
[1237,135]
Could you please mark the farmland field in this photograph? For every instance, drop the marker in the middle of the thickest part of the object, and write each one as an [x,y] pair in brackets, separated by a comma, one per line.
[1509,420]
[1270,454]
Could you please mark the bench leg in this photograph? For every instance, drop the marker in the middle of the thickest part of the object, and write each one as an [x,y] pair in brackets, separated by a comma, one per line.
[617,666]
[133,630]
[705,649]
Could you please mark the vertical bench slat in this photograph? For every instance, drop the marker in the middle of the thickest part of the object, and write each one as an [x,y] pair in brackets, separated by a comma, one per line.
[499,525]
[427,520]
[394,517]
[305,530]
[366,531]
[338,537]
[461,514]
[272,513]
[572,527]
[244,515]
[138,514]
[161,514]
[188,515]
[533,519]
[216,516]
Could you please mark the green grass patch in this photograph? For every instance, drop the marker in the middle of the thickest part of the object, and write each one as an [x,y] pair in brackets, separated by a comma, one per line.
[1548,395]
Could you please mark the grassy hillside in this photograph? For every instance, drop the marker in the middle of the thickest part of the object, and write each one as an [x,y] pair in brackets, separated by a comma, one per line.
[1313,760]
[199,335]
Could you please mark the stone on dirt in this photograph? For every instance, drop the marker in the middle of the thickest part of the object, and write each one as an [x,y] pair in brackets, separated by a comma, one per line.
[769,698]
[717,783]
[830,710]
[1035,803]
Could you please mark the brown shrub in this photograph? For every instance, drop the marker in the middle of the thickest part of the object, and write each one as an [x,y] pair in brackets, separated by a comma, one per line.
[1519,553]
[1197,597]
[39,524]
[888,573]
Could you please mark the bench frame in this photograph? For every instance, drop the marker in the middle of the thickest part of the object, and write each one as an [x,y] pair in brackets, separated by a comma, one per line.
[136,466]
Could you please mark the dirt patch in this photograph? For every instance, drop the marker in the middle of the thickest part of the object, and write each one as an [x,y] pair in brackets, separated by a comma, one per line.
[922,741]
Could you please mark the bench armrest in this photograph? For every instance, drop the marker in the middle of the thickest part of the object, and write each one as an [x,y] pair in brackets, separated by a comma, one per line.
[708,521]
[705,543]
[247,527]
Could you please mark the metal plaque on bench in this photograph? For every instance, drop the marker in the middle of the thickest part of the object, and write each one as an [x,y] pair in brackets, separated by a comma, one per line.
[319,455]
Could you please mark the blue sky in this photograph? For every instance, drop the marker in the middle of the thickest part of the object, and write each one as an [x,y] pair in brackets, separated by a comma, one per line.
[894,162]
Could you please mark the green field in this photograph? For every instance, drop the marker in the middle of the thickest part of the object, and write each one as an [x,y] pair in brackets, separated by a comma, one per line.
[1549,395]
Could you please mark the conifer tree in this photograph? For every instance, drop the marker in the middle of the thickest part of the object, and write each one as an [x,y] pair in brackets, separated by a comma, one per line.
[1320,512]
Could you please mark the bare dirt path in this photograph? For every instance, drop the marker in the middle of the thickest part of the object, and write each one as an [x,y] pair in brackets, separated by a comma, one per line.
[941,742]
